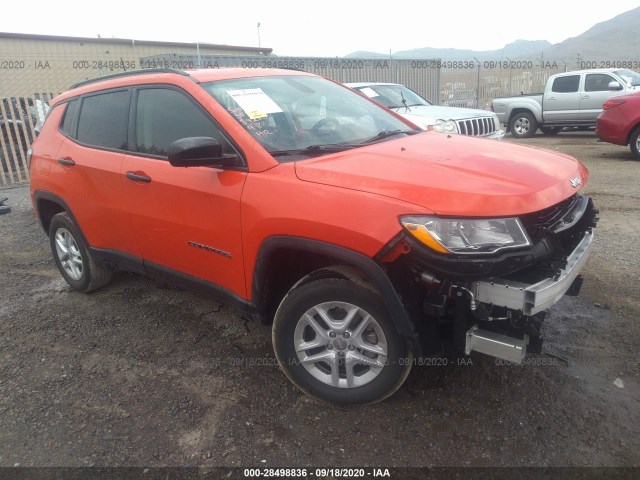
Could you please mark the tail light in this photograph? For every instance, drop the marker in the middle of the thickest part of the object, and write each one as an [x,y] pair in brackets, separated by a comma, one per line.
[611,103]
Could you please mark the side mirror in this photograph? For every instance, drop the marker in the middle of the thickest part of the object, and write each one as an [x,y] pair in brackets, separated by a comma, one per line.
[199,152]
[614,86]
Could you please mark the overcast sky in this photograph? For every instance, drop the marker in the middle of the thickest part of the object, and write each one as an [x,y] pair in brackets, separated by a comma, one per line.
[316,28]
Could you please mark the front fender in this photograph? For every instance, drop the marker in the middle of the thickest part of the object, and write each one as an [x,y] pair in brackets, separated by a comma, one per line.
[340,256]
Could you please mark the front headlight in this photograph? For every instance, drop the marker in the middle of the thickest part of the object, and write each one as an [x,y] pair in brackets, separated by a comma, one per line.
[445,126]
[467,236]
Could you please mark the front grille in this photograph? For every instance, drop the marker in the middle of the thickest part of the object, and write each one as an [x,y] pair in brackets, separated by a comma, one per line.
[477,127]
[539,223]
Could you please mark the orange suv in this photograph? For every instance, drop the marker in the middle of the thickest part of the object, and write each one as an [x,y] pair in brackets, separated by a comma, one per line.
[367,242]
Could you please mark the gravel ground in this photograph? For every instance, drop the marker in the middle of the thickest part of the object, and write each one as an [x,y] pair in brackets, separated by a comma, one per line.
[143,374]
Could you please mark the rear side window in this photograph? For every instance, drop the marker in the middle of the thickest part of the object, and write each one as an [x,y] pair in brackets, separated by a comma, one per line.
[164,115]
[69,117]
[104,120]
[568,84]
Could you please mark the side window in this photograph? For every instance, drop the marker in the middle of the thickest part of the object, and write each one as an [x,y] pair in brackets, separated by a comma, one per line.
[69,116]
[164,115]
[597,82]
[104,120]
[568,84]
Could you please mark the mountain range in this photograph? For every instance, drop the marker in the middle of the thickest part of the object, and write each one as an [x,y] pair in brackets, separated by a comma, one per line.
[613,40]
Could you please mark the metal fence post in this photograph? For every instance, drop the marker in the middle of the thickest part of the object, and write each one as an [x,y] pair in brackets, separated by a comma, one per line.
[478,85]
[438,85]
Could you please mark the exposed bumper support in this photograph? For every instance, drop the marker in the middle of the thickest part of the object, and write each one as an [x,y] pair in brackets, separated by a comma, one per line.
[496,345]
[531,299]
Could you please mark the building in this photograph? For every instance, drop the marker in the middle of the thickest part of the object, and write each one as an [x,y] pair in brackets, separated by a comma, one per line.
[33,65]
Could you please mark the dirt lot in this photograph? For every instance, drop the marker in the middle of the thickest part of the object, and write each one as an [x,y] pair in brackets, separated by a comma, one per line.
[143,374]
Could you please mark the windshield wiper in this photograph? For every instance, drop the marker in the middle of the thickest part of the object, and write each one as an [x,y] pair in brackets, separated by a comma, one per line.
[404,101]
[407,106]
[314,149]
[386,134]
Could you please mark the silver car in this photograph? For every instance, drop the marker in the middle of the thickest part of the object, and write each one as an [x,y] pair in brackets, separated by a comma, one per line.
[406,102]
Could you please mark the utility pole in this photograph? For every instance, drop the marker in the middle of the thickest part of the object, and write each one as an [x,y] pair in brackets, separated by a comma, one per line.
[258,34]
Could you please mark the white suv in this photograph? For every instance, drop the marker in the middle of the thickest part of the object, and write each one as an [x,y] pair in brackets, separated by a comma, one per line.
[406,102]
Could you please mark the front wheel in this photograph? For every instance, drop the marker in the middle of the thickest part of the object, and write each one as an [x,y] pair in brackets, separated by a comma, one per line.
[634,143]
[335,341]
[523,125]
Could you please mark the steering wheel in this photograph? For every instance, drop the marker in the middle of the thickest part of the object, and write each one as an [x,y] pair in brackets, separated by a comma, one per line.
[325,126]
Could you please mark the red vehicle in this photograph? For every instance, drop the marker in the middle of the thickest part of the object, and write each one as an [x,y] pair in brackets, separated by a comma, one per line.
[619,122]
[365,241]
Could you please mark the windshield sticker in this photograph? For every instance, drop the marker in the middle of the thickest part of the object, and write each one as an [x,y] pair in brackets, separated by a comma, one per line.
[254,102]
[369,92]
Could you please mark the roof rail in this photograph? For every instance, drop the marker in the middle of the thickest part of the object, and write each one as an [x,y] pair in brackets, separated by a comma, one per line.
[130,73]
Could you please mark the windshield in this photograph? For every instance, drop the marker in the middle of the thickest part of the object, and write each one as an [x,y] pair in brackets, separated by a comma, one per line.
[393,96]
[304,115]
[632,78]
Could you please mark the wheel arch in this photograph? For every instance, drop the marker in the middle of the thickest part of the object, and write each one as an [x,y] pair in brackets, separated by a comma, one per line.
[517,110]
[48,205]
[283,261]
[632,130]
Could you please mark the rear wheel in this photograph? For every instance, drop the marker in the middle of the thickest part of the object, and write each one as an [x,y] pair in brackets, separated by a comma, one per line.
[72,256]
[335,341]
[634,143]
[523,125]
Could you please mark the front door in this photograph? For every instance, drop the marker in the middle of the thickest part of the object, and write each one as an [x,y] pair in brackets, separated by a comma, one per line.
[596,91]
[185,220]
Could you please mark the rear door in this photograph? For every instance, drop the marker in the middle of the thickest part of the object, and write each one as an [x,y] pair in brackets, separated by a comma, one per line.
[186,220]
[596,91]
[88,164]
[562,100]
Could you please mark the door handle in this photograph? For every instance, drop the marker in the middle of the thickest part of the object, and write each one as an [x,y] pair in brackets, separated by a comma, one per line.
[136,177]
[66,161]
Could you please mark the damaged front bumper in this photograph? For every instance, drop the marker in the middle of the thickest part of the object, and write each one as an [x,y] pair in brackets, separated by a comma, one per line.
[534,298]
[495,304]
[529,299]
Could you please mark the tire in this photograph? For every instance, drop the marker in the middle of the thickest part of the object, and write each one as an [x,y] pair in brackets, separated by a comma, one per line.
[523,125]
[550,130]
[343,372]
[72,256]
[634,143]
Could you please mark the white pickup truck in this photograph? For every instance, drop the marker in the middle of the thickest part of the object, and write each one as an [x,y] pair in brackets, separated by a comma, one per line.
[571,99]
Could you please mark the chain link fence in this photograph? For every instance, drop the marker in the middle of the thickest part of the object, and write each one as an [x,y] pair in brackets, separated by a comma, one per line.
[28,83]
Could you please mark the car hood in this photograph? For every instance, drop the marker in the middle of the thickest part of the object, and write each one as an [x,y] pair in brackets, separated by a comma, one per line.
[452,174]
[434,112]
